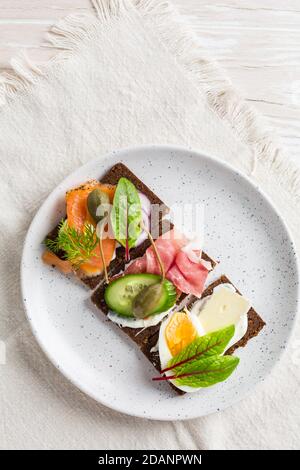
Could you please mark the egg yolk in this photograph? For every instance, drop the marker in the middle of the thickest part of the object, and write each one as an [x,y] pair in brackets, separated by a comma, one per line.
[179,332]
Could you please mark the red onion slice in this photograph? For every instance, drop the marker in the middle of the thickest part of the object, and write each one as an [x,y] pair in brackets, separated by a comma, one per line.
[145,203]
[146,211]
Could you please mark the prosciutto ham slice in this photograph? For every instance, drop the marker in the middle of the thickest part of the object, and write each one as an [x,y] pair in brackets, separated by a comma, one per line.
[187,275]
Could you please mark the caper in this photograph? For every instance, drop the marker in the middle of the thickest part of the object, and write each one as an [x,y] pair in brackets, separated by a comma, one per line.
[95,199]
[147,300]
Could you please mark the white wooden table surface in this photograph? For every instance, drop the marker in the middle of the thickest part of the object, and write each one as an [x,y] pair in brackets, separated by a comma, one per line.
[256,41]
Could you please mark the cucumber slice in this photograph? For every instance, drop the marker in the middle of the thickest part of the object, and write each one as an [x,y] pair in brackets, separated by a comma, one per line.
[120,294]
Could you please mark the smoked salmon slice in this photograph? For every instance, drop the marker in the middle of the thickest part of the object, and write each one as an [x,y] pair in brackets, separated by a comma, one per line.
[78,215]
[76,199]
[53,260]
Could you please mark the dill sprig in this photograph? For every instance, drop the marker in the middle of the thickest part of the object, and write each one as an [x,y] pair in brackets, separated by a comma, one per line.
[78,247]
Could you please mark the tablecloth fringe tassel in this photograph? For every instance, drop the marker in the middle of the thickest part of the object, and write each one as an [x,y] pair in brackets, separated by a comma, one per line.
[175,34]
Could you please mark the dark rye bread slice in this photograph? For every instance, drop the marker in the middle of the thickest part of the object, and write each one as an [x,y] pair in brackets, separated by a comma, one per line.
[98,295]
[117,264]
[112,177]
[144,338]
[255,325]
[147,338]
[119,170]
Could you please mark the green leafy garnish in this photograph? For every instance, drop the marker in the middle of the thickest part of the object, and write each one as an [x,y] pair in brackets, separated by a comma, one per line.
[126,214]
[208,371]
[201,364]
[77,247]
[211,344]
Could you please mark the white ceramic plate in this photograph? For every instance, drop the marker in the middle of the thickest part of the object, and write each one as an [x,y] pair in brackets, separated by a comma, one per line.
[244,233]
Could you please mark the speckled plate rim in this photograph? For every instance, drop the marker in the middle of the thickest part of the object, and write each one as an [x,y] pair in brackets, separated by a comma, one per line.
[121,152]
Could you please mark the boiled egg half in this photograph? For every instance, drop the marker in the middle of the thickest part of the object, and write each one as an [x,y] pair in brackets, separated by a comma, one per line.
[176,332]
[222,308]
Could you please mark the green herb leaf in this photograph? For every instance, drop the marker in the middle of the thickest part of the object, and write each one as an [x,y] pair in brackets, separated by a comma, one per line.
[204,346]
[208,371]
[126,215]
[78,247]
[200,364]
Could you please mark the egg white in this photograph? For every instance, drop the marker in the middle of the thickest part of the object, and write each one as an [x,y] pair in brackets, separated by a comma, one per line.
[165,354]
[195,316]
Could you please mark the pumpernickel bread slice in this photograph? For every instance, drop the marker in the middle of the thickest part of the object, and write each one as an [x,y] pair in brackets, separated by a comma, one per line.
[117,265]
[146,338]
[255,325]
